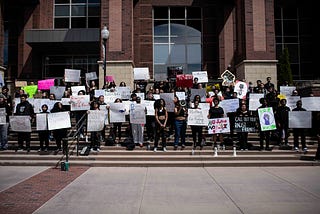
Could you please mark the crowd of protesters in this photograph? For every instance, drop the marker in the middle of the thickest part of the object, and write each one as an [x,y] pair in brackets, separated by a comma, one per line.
[163,124]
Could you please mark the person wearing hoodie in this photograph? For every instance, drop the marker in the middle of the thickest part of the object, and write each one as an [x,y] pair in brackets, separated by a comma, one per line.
[24,108]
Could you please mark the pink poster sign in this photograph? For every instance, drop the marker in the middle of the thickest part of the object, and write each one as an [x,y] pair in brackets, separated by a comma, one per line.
[109,78]
[45,84]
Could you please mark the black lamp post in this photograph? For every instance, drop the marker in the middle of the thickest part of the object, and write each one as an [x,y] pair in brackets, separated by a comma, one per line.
[105,37]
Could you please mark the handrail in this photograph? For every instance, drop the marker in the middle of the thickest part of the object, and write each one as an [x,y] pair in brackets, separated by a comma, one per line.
[75,136]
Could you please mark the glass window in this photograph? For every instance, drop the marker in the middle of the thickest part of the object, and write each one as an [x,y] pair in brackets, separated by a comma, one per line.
[93,10]
[94,22]
[161,53]
[78,22]
[177,38]
[78,10]
[61,22]
[62,10]
[62,1]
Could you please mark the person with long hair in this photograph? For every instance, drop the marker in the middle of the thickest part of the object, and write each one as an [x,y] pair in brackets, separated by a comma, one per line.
[196,131]
[59,134]
[180,112]
[216,112]
[161,117]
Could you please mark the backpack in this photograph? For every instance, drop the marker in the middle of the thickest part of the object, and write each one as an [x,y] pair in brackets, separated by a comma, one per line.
[129,144]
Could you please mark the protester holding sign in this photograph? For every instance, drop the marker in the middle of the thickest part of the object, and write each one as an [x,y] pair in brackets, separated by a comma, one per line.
[24,108]
[95,135]
[58,134]
[299,131]
[196,130]
[282,119]
[180,112]
[216,112]
[4,122]
[264,135]
[161,117]
[243,136]
[44,134]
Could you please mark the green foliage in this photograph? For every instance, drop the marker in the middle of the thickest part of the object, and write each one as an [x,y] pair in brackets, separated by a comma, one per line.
[284,69]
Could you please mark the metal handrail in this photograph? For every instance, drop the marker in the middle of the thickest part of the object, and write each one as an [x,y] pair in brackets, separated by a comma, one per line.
[75,137]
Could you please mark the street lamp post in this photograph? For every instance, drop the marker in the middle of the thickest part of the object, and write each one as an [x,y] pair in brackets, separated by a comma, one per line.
[105,37]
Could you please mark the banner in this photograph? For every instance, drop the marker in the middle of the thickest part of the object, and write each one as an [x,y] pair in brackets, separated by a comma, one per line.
[20,123]
[137,114]
[245,124]
[41,122]
[59,120]
[71,75]
[218,125]
[266,118]
[184,80]
[79,103]
[95,120]
[45,84]
[300,119]
[197,117]
[117,113]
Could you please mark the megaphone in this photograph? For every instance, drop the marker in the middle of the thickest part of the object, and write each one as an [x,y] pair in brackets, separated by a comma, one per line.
[183,103]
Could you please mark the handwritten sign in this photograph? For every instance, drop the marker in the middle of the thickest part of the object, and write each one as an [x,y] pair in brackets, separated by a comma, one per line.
[295,120]
[245,124]
[219,125]
[41,122]
[59,120]
[91,76]
[45,84]
[71,75]
[95,121]
[254,102]
[201,75]
[137,114]
[57,91]
[184,80]
[20,123]
[228,78]
[109,78]
[241,88]
[197,117]
[79,103]
[141,73]
[117,113]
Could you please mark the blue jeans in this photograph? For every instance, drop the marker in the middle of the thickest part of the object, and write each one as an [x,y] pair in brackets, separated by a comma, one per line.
[180,132]
[4,136]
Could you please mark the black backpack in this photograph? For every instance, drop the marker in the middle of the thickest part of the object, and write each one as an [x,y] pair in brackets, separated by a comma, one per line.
[129,144]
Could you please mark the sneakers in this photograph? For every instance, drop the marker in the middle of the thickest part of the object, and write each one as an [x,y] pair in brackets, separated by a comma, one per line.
[175,147]
[81,136]
[20,150]
[305,149]
[164,149]
[192,152]
[296,149]
[183,146]
[155,149]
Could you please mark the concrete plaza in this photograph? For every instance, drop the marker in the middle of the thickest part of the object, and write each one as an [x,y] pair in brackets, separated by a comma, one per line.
[162,190]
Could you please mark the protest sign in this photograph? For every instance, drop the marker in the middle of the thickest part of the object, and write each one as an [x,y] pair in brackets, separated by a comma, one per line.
[110,97]
[30,90]
[20,123]
[76,89]
[311,103]
[168,98]
[241,88]
[300,119]
[41,122]
[117,113]
[99,92]
[201,75]
[137,114]
[45,84]
[2,116]
[245,124]
[106,113]
[91,76]
[184,80]
[141,73]
[95,121]
[71,75]
[201,92]
[109,78]
[125,92]
[59,120]
[266,118]
[197,117]
[79,103]
[21,83]
[218,125]
[230,105]
[58,91]
[254,101]
[150,106]
[287,90]
[228,78]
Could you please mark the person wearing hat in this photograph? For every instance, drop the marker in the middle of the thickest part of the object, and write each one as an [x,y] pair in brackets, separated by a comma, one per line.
[4,122]
[24,108]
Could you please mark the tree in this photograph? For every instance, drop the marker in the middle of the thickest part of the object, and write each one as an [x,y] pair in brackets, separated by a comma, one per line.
[284,69]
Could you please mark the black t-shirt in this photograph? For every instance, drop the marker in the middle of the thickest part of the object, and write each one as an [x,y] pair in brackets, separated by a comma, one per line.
[216,112]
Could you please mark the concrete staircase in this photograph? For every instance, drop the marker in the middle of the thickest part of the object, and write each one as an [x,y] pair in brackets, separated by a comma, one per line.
[115,156]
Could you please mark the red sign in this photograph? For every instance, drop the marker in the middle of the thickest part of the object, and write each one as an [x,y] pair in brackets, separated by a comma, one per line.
[184,80]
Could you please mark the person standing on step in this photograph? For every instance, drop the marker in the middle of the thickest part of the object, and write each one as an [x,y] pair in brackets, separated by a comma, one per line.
[95,135]
[24,108]
[216,112]
[44,134]
[299,132]
[137,128]
[196,131]
[59,134]
[161,116]
[180,112]
[282,119]
[5,112]
[243,136]
[264,135]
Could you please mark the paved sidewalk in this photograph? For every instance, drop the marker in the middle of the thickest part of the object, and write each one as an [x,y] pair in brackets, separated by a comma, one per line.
[188,190]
